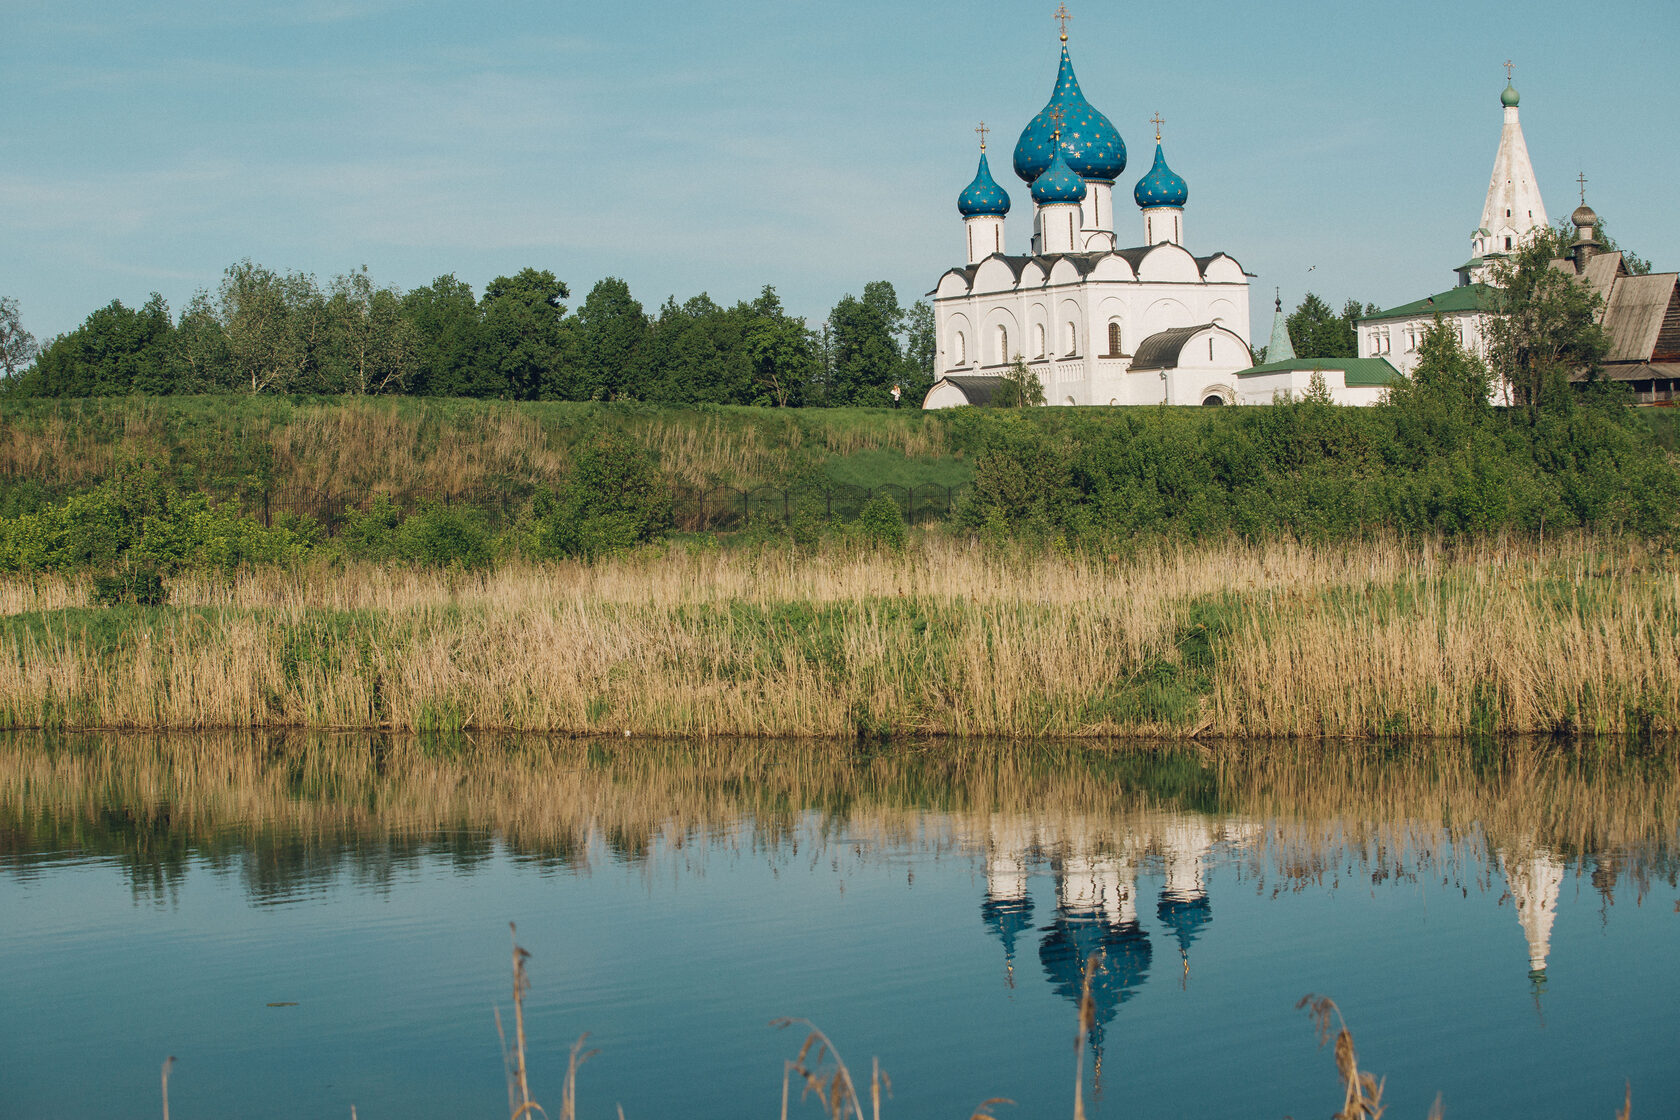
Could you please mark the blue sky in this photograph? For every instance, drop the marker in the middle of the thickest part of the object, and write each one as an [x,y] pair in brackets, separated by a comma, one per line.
[815,147]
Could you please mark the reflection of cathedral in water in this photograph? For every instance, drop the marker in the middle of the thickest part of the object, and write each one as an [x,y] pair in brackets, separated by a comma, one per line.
[1097,899]
[1097,906]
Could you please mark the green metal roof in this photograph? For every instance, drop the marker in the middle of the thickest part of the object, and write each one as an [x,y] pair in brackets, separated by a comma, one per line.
[1465,297]
[1359,372]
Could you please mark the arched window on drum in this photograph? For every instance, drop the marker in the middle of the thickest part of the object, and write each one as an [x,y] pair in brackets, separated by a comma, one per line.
[1114,340]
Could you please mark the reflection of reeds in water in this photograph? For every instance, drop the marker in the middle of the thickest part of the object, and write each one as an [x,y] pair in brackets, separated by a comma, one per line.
[163,796]
[1277,639]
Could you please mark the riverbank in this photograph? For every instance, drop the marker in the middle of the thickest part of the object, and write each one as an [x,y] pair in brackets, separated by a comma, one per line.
[1276,639]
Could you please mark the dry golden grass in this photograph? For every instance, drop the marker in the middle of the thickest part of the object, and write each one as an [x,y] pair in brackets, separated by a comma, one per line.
[1276,639]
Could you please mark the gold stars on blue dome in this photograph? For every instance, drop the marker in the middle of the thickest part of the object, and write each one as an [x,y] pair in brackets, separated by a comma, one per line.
[1058,183]
[983,196]
[1162,186]
[1091,144]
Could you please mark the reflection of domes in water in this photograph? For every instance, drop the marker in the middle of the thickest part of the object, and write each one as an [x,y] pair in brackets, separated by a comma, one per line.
[1185,917]
[1071,938]
[1008,918]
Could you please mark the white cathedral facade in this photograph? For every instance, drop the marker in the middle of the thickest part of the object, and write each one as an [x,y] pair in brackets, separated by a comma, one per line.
[1097,323]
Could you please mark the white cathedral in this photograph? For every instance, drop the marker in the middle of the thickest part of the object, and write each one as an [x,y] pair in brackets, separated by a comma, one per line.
[1097,323]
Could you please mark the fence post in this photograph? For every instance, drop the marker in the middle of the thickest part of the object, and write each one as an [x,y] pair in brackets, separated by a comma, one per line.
[910,507]
[268,522]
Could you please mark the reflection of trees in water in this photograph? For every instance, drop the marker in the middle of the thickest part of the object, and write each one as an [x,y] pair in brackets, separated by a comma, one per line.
[287,813]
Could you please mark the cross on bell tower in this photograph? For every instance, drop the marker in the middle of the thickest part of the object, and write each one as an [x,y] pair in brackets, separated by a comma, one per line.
[1062,16]
[1157,120]
[1582,179]
[1509,67]
[982,130]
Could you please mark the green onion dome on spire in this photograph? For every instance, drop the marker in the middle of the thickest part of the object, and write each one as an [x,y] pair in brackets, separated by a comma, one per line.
[1058,183]
[1509,97]
[1162,186]
[1092,145]
[983,196]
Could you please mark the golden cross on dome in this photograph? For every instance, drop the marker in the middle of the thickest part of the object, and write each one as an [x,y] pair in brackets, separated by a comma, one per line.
[1157,120]
[1056,115]
[1582,179]
[1508,67]
[1062,16]
[982,130]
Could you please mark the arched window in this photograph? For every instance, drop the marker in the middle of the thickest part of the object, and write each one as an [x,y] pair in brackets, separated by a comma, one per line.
[1114,340]
[961,348]
[1003,344]
[1072,339]
[1213,401]
[1038,340]
[1507,243]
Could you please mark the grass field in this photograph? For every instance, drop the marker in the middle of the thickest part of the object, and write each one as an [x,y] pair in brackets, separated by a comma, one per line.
[1277,639]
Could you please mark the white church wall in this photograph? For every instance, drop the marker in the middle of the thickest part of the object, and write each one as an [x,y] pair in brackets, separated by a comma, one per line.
[1169,264]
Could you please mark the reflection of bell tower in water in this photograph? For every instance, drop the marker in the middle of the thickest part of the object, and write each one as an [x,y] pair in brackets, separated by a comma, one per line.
[1534,876]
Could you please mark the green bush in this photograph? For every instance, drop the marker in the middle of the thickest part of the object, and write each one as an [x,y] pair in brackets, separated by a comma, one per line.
[142,585]
[443,537]
[882,523]
[613,500]
[137,520]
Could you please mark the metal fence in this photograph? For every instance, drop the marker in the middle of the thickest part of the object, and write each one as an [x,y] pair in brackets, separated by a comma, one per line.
[728,507]
[714,509]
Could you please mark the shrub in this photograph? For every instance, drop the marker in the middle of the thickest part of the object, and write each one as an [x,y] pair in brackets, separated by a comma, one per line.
[882,523]
[142,585]
[613,500]
[443,537]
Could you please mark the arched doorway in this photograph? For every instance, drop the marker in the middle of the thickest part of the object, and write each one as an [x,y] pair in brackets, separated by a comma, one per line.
[1213,400]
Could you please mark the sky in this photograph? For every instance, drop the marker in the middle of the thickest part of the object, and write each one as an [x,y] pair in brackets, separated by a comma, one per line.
[686,148]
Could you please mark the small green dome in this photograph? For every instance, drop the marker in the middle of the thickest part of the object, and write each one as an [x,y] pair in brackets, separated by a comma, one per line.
[1509,97]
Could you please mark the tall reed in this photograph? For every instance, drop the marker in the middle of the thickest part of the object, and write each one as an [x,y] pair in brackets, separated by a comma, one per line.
[1280,639]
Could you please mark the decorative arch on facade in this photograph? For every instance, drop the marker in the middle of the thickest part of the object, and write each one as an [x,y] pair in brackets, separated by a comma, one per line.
[1165,314]
[1113,267]
[1215,395]
[1167,263]
[993,275]
[1064,272]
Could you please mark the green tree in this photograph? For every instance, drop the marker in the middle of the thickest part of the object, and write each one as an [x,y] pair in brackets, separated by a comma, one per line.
[17,346]
[448,340]
[1315,331]
[117,350]
[199,356]
[612,338]
[1544,331]
[373,345]
[274,324]
[782,352]
[1020,387]
[523,336]
[866,359]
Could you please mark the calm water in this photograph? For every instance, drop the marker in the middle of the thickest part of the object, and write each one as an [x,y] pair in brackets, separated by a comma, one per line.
[313,925]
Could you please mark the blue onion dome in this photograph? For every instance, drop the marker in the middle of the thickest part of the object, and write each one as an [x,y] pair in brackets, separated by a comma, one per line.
[1509,97]
[1092,145]
[1058,183]
[1162,186]
[983,196]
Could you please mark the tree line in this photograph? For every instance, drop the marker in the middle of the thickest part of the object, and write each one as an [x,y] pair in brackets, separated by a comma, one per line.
[264,331]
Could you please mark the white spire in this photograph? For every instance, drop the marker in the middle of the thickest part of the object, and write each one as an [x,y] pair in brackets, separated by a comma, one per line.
[1513,208]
